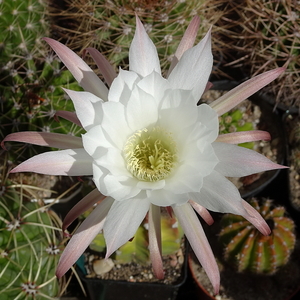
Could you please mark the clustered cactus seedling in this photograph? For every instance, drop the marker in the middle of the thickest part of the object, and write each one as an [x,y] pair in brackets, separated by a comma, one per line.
[264,35]
[136,250]
[109,25]
[30,238]
[252,251]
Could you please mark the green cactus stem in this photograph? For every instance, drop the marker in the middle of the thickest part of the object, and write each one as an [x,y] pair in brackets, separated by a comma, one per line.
[251,251]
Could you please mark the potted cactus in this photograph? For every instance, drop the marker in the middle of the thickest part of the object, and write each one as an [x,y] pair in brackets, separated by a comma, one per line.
[253,265]
[128,273]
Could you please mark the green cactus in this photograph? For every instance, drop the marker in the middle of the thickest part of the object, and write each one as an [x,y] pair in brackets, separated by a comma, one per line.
[263,35]
[252,251]
[109,26]
[23,24]
[136,250]
[30,238]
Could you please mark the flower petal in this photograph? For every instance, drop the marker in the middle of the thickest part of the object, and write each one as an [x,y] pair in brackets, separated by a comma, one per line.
[72,162]
[80,70]
[155,241]
[55,140]
[121,87]
[219,194]
[139,103]
[244,90]
[235,161]
[143,58]
[252,215]
[194,68]
[122,221]
[119,131]
[199,243]
[186,42]
[83,205]
[104,66]
[87,106]
[83,236]
[203,212]
[244,137]
[68,115]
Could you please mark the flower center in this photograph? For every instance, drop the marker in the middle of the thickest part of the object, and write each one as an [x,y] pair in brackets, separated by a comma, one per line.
[150,154]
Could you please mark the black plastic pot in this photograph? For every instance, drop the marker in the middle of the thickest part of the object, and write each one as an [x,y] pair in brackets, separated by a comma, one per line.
[99,289]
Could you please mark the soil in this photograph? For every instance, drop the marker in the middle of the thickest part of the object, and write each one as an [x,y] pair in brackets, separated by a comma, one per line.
[134,272]
[248,286]
[262,118]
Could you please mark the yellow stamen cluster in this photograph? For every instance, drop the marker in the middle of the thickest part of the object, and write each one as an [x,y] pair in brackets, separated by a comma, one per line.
[150,154]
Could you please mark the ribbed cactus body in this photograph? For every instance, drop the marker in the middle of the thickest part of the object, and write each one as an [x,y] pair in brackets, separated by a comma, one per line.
[249,249]
[29,248]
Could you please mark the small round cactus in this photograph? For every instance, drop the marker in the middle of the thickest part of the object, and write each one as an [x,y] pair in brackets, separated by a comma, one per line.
[252,251]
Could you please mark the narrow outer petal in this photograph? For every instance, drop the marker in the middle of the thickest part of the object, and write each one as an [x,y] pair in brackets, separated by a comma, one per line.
[235,161]
[68,115]
[244,90]
[244,137]
[252,215]
[194,68]
[186,42]
[143,58]
[203,212]
[155,241]
[83,236]
[83,205]
[80,70]
[55,140]
[122,222]
[72,162]
[104,66]
[199,243]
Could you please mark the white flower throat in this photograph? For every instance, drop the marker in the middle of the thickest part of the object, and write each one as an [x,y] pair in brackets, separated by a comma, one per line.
[150,154]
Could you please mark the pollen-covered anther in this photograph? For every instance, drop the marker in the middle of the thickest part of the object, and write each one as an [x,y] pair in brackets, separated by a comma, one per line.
[150,154]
